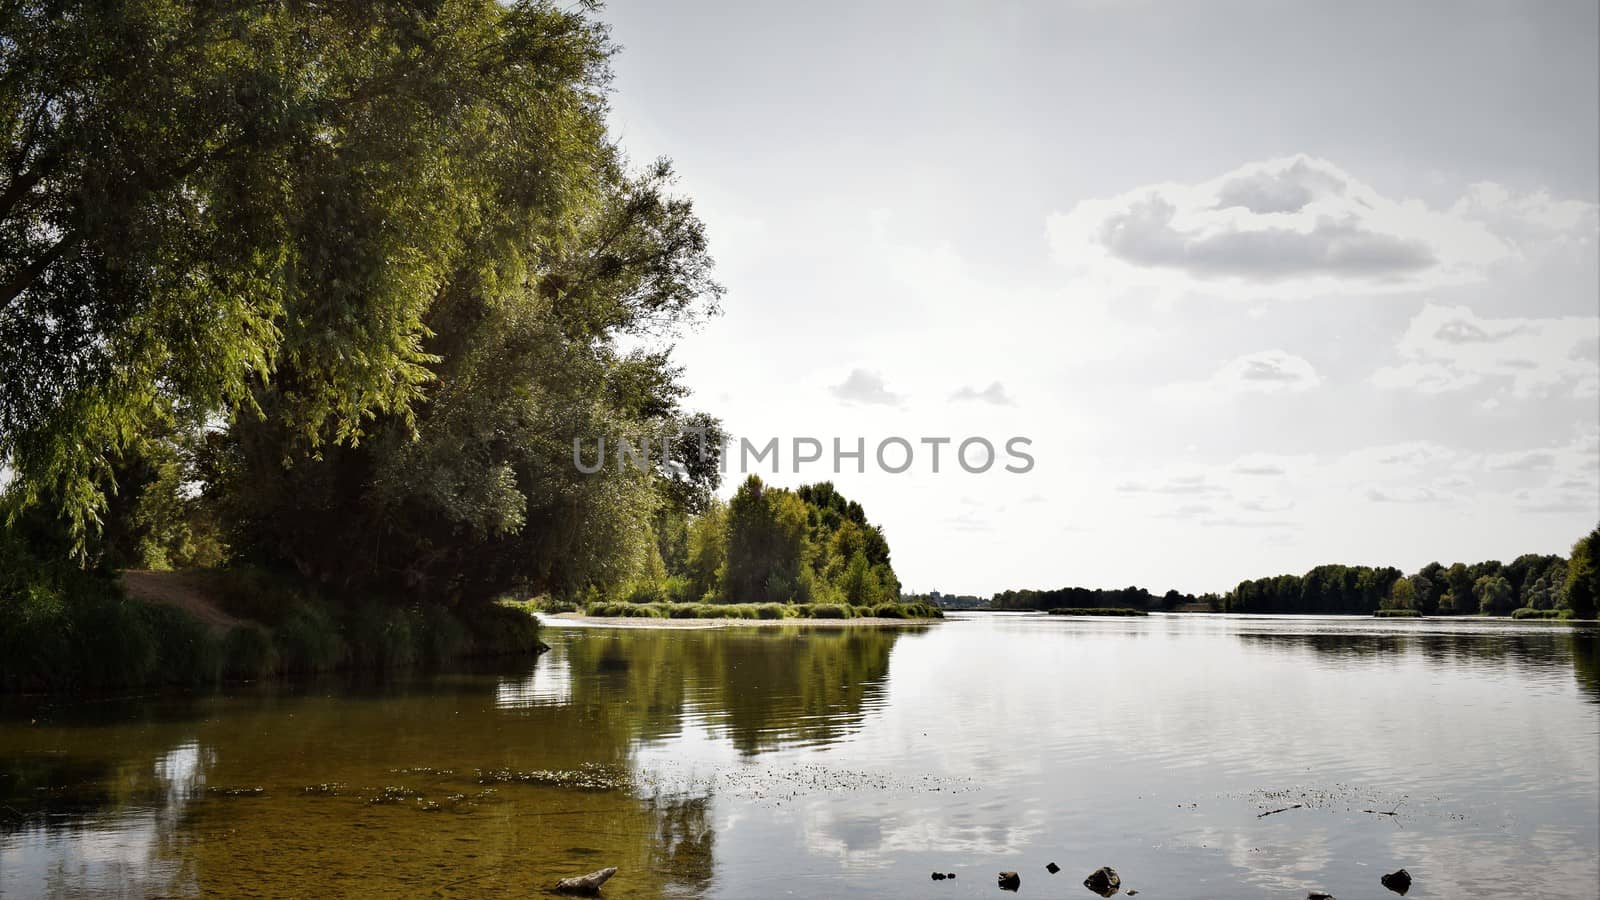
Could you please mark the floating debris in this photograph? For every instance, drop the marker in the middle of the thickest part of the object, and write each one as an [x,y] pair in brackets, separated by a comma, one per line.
[236,791]
[588,777]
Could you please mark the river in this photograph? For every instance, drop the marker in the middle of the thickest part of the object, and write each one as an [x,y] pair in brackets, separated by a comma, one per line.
[1200,756]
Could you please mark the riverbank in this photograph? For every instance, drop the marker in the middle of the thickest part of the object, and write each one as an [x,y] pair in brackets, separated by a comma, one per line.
[583,620]
[199,629]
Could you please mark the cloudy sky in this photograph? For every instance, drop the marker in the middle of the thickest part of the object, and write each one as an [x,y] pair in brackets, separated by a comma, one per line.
[1266,284]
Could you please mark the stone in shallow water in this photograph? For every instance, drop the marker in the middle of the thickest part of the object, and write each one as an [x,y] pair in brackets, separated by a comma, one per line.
[1399,882]
[1103,881]
[586,885]
[1052,868]
[1009,881]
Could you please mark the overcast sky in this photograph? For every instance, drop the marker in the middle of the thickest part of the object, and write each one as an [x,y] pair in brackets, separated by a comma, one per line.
[1266,284]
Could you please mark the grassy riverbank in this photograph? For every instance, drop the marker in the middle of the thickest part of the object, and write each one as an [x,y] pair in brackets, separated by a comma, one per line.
[82,632]
[759,611]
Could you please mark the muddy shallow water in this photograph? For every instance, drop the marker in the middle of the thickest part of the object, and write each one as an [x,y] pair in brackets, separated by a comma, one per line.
[806,762]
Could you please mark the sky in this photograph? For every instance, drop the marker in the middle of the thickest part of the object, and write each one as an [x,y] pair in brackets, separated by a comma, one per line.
[1262,285]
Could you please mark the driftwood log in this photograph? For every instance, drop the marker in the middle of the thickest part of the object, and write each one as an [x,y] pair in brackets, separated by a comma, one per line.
[586,885]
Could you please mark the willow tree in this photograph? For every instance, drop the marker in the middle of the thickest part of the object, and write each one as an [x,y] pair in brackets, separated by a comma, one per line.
[204,201]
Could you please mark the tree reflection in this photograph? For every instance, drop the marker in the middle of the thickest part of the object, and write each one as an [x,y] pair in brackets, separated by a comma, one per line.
[1543,650]
[454,784]
[761,690]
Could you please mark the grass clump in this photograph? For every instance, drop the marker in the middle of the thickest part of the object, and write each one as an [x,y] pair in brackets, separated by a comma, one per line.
[248,653]
[1528,612]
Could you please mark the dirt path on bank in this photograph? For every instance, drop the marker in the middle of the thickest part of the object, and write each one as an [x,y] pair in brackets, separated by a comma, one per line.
[188,591]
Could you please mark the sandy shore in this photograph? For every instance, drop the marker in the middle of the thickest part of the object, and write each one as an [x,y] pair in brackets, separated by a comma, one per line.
[581,620]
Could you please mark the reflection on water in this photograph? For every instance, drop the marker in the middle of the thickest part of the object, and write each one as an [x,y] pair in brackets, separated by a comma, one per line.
[849,763]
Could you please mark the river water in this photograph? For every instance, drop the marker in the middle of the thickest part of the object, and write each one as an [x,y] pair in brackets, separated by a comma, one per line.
[849,762]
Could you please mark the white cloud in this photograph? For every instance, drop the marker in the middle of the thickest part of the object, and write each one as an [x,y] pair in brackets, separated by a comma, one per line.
[1448,348]
[994,394]
[862,386]
[1301,226]
[1264,372]
[1530,219]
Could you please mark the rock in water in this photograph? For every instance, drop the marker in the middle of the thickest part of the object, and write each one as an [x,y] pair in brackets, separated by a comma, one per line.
[586,885]
[1103,881]
[1010,881]
[1320,895]
[1399,882]
[938,876]
[1052,868]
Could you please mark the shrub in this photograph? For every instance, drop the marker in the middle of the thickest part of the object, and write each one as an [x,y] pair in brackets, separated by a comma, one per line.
[1531,613]
[380,637]
[830,611]
[307,641]
[248,652]
[770,611]
[185,651]
[500,630]
[440,635]
[1397,614]
[260,595]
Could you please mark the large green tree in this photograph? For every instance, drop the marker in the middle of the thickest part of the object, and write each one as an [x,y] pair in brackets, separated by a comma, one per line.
[1582,590]
[243,209]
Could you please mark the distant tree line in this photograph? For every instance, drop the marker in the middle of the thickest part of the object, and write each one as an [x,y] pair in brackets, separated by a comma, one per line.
[1539,582]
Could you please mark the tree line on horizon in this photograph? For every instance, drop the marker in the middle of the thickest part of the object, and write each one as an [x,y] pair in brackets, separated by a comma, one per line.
[1543,583]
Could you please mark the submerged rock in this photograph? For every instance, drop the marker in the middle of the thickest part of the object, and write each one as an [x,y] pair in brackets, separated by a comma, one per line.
[586,885]
[1009,881]
[1399,882]
[1104,881]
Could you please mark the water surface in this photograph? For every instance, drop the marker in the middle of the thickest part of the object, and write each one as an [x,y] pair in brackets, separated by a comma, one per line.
[737,763]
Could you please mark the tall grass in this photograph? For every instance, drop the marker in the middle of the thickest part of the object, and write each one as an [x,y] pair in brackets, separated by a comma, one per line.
[767,611]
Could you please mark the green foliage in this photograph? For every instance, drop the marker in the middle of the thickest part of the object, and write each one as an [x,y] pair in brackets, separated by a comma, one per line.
[186,652]
[307,640]
[810,545]
[382,637]
[499,629]
[286,206]
[1097,611]
[1581,593]
[248,653]
[1531,613]
[767,611]
[1494,595]
[1397,613]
